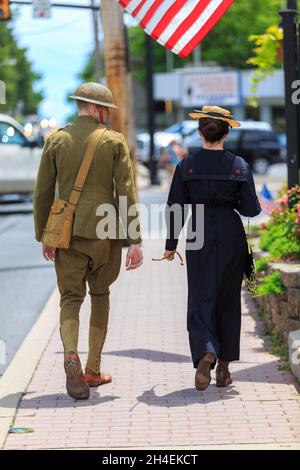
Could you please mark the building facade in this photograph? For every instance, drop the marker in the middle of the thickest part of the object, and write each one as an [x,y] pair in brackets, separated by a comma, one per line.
[180,91]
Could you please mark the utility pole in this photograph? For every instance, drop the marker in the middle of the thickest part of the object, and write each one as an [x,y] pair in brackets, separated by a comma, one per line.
[169,60]
[292,4]
[96,38]
[197,56]
[117,70]
[291,72]
[151,111]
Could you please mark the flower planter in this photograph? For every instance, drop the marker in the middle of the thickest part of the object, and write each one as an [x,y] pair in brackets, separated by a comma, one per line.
[283,311]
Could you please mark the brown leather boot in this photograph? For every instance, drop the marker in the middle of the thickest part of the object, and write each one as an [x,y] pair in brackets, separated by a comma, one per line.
[94,380]
[223,377]
[203,377]
[75,384]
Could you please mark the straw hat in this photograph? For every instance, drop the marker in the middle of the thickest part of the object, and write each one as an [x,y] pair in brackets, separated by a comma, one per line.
[215,112]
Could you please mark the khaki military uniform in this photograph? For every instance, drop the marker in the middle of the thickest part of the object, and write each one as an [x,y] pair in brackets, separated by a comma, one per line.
[89,259]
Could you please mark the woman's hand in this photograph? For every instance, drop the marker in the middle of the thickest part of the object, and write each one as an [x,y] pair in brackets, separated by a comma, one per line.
[169,254]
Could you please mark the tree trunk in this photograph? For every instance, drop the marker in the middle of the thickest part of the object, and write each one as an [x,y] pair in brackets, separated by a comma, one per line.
[117,71]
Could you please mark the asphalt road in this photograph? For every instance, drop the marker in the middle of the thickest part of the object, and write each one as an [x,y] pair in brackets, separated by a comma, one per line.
[26,281]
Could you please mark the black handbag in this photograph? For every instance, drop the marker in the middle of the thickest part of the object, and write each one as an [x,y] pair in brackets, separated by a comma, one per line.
[250,267]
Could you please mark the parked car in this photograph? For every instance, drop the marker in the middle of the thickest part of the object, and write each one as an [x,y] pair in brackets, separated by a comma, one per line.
[256,142]
[177,132]
[19,158]
[184,128]
[161,139]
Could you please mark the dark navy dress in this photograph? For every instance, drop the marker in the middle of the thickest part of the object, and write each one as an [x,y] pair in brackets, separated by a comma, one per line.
[224,184]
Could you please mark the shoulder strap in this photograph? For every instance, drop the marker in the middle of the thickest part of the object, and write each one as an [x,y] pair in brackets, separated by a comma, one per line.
[95,139]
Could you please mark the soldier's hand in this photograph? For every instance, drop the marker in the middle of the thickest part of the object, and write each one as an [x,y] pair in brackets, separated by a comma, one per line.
[169,254]
[134,258]
[48,252]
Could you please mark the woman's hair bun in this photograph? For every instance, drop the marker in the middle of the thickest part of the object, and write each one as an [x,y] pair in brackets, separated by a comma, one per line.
[213,130]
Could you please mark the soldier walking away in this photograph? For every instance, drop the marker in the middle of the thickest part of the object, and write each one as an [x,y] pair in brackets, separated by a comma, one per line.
[90,258]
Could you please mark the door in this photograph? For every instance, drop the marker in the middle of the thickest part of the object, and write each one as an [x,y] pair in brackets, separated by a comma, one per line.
[18,162]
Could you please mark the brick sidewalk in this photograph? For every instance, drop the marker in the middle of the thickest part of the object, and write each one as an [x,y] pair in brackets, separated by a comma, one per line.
[152,401]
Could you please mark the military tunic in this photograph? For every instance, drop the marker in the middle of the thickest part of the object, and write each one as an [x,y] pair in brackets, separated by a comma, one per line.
[224,184]
[110,169]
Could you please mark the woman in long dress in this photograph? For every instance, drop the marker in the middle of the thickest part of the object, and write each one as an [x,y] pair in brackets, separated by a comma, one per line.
[224,184]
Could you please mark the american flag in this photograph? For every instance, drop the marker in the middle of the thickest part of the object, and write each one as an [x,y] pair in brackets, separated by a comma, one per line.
[178,25]
[266,200]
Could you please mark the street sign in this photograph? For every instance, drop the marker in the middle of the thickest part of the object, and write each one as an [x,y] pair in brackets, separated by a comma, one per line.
[41,8]
[221,88]
[5,10]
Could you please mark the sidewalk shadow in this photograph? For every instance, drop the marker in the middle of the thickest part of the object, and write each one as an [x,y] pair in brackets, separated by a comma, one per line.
[266,372]
[55,400]
[150,355]
[186,397]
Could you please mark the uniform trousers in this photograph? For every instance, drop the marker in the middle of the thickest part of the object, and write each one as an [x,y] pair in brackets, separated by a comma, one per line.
[96,263]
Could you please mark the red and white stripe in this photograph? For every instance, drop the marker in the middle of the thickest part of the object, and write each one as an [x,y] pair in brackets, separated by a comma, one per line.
[179,25]
[266,205]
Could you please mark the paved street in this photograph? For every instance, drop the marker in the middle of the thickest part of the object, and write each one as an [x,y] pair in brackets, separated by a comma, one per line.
[152,400]
[26,281]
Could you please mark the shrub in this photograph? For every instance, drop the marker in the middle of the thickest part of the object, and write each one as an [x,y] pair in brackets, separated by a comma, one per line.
[254,229]
[281,235]
[270,284]
[262,264]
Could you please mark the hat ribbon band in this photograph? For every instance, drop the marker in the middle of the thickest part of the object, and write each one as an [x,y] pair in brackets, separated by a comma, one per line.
[212,114]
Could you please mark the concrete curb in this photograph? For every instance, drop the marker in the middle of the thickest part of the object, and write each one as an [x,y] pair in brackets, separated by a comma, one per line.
[294,352]
[17,376]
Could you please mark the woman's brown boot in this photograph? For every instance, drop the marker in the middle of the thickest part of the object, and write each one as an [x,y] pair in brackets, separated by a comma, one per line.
[202,377]
[222,374]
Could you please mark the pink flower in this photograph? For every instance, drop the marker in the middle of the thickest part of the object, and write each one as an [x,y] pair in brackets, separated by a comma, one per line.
[298,218]
[283,201]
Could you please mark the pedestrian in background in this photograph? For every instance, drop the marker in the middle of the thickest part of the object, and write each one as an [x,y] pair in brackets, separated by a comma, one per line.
[88,259]
[224,184]
[175,153]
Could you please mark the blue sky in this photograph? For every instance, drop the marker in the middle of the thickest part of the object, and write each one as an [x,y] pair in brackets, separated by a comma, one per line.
[58,48]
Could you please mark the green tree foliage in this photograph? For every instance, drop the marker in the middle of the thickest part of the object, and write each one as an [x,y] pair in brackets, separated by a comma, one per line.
[266,58]
[227,44]
[137,47]
[17,73]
